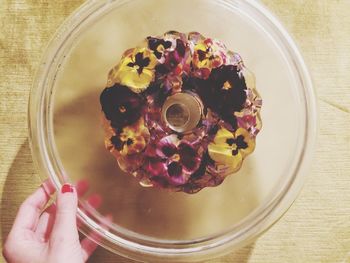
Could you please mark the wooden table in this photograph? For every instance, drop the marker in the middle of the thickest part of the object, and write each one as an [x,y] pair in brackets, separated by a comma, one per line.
[315,229]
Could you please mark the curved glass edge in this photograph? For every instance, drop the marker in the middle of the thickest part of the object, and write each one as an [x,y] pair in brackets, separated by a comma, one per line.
[201,249]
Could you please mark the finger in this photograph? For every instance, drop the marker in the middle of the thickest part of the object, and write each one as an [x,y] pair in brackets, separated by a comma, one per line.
[47,218]
[65,226]
[90,243]
[29,212]
[45,223]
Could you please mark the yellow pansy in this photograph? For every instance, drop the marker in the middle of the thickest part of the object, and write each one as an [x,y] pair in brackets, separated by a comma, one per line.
[132,139]
[206,56]
[230,148]
[136,70]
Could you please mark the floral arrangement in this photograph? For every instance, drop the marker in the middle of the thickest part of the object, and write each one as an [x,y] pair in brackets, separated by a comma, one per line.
[145,143]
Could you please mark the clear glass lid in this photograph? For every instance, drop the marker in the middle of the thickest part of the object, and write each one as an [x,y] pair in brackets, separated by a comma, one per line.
[67,136]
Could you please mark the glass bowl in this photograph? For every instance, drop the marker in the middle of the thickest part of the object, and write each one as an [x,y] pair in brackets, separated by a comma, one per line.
[149,224]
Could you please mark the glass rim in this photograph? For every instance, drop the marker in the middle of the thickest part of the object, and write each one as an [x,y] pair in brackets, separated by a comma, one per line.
[131,244]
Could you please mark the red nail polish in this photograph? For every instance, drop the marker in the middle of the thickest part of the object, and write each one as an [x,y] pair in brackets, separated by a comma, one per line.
[67,188]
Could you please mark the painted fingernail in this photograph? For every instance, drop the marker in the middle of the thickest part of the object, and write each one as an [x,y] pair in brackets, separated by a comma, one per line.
[67,188]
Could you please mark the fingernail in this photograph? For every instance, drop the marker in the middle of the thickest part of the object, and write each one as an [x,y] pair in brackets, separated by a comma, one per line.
[67,188]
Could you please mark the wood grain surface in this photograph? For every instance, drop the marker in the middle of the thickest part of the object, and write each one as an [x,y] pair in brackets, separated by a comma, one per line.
[315,229]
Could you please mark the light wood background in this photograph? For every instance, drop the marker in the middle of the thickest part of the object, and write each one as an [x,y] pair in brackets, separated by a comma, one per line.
[315,229]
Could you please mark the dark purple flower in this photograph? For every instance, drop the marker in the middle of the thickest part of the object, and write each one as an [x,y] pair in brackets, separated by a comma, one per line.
[224,92]
[121,106]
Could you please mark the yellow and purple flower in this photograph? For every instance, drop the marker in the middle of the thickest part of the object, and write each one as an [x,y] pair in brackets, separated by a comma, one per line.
[230,148]
[131,140]
[136,70]
[207,55]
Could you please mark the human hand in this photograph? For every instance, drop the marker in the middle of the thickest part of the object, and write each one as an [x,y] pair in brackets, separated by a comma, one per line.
[50,236]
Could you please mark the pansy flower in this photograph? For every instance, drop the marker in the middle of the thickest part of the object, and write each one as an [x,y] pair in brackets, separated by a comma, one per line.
[230,148]
[136,69]
[156,171]
[121,106]
[174,159]
[129,163]
[132,139]
[159,46]
[174,61]
[194,38]
[224,92]
[173,54]
[207,55]
[167,43]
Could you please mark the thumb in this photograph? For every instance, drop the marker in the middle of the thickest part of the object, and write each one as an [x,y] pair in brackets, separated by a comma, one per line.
[65,226]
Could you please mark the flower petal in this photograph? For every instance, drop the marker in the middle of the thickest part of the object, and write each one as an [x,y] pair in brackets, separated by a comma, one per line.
[223,155]
[136,70]
[129,163]
[135,81]
[222,136]
[248,140]
[174,169]
[133,139]
[176,174]
[168,150]
[188,157]
[121,106]
[154,167]
[167,146]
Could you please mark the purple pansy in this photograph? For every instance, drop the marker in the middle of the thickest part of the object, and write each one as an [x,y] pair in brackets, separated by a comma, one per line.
[172,159]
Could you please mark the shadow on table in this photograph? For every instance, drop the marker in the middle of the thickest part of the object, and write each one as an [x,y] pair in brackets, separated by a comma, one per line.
[20,182]
[241,255]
